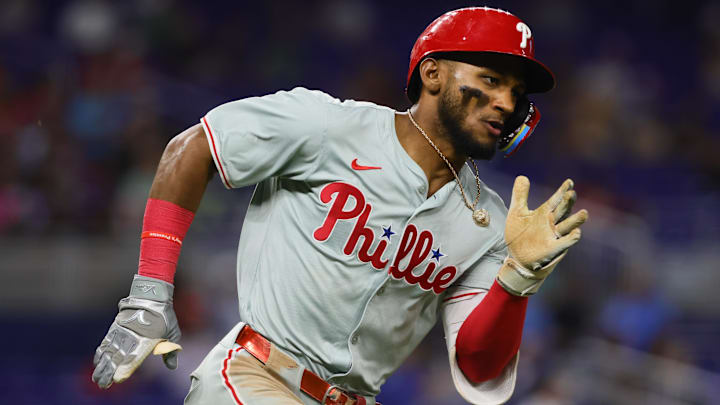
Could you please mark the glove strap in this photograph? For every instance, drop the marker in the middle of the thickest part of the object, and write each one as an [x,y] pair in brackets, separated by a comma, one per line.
[151,289]
[520,281]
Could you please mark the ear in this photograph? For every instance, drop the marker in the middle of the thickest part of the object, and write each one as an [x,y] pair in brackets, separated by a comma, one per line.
[429,71]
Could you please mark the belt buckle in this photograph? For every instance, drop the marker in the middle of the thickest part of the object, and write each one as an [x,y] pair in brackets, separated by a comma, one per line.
[329,395]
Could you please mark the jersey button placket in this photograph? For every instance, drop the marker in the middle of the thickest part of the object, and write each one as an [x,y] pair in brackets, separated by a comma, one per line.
[354,338]
[381,291]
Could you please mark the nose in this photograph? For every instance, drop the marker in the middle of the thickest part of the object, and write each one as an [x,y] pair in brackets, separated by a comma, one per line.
[504,102]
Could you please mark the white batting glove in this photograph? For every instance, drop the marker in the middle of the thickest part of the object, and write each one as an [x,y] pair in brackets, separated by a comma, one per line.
[537,240]
[146,323]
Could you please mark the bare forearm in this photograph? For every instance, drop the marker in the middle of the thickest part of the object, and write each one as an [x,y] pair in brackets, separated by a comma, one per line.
[185,168]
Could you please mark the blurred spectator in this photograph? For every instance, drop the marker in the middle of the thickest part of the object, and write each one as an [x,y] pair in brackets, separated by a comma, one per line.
[637,314]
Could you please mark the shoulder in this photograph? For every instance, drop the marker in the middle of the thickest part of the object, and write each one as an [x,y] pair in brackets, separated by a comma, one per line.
[489,198]
[499,210]
[295,109]
[348,116]
[298,97]
[494,198]
[310,98]
[340,106]
[345,117]
[313,96]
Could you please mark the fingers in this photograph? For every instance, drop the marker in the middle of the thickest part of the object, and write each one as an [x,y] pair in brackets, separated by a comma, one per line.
[115,349]
[98,355]
[555,200]
[566,204]
[171,360]
[166,347]
[577,219]
[568,240]
[169,352]
[104,372]
[104,366]
[520,192]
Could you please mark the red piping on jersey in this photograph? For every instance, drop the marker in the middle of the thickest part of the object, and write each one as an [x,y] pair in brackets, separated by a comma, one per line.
[227,380]
[460,296]
[217,157]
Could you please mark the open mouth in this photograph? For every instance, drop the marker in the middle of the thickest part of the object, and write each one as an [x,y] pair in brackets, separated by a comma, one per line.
[494,127]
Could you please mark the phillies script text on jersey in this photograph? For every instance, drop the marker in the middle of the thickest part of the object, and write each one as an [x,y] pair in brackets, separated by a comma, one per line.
[413,243]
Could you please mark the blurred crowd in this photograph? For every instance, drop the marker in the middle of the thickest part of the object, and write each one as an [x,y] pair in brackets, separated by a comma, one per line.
[91,91]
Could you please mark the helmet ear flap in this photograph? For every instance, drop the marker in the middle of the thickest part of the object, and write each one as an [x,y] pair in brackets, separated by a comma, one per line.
[519,126]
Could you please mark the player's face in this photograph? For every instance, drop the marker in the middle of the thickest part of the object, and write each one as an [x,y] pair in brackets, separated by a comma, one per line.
[476,100]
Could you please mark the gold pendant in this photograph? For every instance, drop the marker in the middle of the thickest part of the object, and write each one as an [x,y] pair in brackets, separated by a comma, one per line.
[481,217]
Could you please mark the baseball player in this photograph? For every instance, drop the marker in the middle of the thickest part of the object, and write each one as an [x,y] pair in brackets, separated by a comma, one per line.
[366,225]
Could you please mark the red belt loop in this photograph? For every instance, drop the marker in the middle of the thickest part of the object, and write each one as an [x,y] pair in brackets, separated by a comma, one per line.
[311,384]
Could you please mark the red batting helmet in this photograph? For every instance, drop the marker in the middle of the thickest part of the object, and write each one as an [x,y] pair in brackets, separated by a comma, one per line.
[480,29]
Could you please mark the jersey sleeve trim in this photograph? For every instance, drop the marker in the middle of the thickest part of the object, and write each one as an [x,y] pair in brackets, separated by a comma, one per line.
[214,153]
[491,392]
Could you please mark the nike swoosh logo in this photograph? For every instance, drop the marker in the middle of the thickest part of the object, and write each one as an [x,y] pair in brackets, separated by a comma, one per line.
[356,166]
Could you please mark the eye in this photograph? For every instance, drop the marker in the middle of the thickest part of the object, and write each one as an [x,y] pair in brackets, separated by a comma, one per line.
[491,80]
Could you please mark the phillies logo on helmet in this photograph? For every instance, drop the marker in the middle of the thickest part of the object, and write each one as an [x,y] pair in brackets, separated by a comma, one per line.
[526,34]
[415,245]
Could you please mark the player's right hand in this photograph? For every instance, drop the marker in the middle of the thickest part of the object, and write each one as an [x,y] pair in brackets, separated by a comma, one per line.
[145,323]
[537,239]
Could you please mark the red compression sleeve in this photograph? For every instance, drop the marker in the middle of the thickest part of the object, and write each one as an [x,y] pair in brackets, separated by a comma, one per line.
[490,336]
[164,227]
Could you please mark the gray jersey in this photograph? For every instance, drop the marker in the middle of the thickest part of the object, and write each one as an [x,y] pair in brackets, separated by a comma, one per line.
[344,261]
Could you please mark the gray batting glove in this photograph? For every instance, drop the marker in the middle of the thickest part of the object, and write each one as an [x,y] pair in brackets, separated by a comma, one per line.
[146,323]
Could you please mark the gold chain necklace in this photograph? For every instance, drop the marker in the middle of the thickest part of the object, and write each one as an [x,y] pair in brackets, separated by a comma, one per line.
[480,216]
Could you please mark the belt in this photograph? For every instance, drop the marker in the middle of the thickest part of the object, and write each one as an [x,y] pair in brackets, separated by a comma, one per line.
[317,388]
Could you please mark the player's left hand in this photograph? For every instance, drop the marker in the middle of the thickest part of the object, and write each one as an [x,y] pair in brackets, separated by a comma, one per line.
[538,239]
[145,323]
